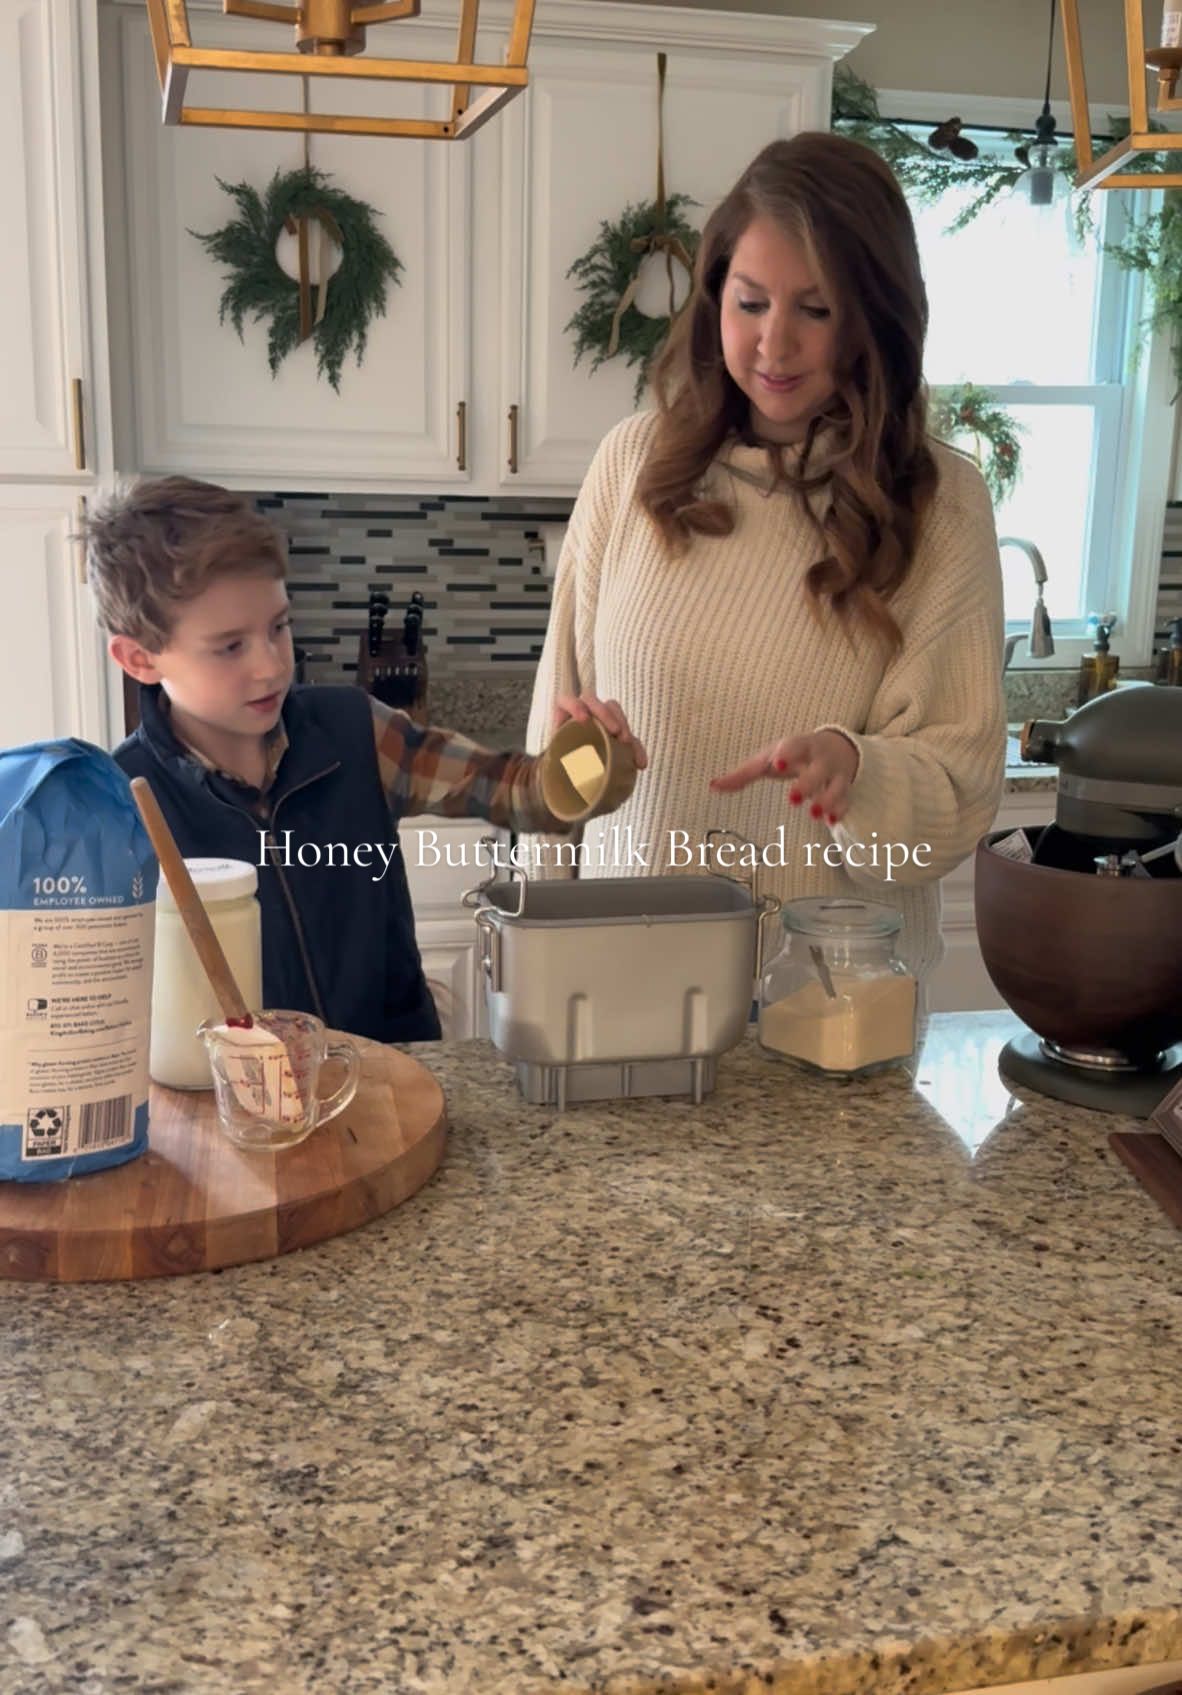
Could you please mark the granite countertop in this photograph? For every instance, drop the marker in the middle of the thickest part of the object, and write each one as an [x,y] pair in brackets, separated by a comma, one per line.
[494,711]
[815,1388]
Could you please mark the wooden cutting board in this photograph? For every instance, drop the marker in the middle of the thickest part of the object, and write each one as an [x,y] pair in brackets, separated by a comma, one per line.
[195,1202]
[1155,1165]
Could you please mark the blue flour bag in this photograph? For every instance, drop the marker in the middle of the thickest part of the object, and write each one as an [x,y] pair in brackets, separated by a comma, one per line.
[77,911]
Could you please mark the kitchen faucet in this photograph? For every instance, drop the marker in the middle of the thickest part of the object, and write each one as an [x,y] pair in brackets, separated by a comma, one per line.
[1042,642]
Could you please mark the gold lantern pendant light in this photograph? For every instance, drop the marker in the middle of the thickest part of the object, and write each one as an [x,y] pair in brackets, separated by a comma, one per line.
[330,37]
[1165,61]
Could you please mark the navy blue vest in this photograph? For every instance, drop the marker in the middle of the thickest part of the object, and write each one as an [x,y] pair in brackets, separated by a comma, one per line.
[335,941]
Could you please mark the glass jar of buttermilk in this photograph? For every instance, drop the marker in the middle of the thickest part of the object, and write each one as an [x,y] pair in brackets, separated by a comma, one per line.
[182,997]
[836,998]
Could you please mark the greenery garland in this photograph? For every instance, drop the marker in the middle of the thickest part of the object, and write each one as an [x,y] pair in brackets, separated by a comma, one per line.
[606,272]
[1152,246]
[924,173]
[968,410]
[352,297]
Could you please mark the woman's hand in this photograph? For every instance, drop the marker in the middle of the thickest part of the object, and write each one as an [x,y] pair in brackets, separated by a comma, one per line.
[819,769]
[609,714]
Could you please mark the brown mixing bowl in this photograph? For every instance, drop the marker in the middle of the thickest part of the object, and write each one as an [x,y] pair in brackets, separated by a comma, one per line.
[1084,961]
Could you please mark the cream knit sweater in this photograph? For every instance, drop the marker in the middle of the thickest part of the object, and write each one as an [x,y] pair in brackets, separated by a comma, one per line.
[715,655]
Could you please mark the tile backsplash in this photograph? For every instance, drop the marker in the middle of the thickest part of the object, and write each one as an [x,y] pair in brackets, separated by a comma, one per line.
[1169,593]
[477,563]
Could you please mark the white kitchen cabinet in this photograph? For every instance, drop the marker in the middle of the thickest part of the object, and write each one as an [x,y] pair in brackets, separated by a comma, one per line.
[199,401]
[52,663]
[487,230]
[575,152]
[450,973]
[46,401]
[442,859]
[960,983]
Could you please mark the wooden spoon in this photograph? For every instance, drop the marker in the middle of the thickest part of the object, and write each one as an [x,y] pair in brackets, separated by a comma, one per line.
[189,904]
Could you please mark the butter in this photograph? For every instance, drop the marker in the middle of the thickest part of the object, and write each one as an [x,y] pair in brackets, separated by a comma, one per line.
[585,770]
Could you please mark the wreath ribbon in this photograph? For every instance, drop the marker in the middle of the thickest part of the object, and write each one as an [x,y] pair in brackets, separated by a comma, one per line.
[659,241]
[327,229]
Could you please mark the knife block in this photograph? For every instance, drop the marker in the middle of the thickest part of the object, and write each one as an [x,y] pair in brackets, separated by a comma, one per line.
[394,676]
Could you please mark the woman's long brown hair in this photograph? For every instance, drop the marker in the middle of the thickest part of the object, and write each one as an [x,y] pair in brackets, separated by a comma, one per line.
[843,204]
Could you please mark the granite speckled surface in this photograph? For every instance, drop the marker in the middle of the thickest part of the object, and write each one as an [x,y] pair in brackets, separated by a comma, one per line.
[816,1388]
[490,706]
[494,710]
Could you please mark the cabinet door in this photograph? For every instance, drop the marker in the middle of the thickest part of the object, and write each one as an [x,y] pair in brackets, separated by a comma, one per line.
[960,983]
[449,967]
[578,148]
[41,279]
[52,670]
[203,402]
[443,859]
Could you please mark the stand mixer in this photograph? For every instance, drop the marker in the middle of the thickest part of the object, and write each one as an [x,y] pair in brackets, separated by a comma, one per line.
[1083,940]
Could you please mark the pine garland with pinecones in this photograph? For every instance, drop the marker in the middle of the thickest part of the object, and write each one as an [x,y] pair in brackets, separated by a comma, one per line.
[968,410]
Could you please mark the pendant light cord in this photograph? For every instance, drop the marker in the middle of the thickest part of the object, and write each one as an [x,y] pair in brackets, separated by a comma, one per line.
[1046,100]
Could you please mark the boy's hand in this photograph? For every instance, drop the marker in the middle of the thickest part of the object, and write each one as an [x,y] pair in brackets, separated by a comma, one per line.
[609,714]
[818,768]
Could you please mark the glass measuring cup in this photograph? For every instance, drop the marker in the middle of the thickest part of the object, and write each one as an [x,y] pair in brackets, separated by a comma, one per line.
[273,1101]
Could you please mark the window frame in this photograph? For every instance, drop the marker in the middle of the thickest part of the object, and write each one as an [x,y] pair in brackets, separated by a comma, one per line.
[1134,439]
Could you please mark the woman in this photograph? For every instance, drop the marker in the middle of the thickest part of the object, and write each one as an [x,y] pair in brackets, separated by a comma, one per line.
[791,590]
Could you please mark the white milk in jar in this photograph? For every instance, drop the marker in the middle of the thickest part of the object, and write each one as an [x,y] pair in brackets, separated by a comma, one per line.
[181,994]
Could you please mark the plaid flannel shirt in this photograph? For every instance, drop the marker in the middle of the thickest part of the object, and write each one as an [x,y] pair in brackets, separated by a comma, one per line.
[423,769]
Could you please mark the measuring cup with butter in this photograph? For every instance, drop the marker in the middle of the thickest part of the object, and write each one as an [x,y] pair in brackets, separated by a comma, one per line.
[586,771]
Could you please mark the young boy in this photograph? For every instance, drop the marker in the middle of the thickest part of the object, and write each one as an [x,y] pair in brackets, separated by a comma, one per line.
[189,582]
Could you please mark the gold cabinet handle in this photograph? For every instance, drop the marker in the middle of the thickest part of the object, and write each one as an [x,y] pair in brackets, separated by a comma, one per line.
[79,540]
[462,436]
[513,440]
[79,430]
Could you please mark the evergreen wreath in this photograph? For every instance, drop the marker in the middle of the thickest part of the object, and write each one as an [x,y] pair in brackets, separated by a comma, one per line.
[969,409]
[355,294]
[607,273]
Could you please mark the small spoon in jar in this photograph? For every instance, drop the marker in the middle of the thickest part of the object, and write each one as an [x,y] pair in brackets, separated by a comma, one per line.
[818,959]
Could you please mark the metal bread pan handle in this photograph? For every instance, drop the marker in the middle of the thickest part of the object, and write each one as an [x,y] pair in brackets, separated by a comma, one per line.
[489,961]
[765,904]
[478,897]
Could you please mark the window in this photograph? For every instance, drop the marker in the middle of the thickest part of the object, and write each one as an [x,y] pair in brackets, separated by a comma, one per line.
[1018,306]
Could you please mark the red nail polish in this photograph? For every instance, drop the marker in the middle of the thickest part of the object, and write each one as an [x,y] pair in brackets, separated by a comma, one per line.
[795,796]
[817,811]
[781,764]
[833,818]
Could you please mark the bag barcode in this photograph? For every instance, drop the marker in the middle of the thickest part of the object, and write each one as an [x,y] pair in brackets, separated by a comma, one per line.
[102,1122]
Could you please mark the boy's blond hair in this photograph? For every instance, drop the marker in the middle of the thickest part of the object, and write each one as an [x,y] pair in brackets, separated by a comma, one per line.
[157,544]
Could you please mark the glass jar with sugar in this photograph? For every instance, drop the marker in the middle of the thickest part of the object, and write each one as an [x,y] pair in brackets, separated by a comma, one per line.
[182,996]
[836,998]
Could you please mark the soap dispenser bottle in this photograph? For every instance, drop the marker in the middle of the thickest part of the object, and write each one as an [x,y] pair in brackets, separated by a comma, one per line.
[1173,674]
[1098,669]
